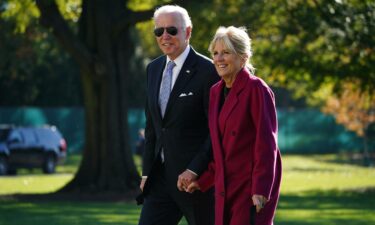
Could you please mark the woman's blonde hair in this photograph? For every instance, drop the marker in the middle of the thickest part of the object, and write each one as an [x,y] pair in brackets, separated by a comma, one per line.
[236,40]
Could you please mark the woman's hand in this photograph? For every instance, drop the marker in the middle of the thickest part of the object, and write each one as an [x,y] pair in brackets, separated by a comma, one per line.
[185,179]
[192,187]
[259,201]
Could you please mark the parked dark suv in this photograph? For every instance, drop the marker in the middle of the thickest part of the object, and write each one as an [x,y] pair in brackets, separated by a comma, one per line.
[30,147]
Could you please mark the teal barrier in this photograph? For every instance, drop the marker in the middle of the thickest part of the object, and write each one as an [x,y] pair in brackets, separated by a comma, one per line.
[310,131]
[70,122]
[300,130]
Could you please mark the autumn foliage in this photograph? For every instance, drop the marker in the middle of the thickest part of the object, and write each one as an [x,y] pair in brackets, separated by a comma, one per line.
[354,109]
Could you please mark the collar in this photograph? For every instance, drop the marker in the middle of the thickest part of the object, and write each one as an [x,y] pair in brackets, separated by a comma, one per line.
[181,58]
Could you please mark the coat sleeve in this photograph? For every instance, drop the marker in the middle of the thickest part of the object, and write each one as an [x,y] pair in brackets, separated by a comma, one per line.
[207,179]
[201,160]
[150,139]
[263,112]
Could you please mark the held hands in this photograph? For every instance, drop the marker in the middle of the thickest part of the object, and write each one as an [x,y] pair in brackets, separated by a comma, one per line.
[193,187]
[259,202]
[185,179]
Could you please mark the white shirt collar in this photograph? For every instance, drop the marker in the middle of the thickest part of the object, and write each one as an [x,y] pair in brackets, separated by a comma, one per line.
[179,61]
[181,58]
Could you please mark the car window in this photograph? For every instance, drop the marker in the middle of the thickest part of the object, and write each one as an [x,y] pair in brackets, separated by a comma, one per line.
[15,137]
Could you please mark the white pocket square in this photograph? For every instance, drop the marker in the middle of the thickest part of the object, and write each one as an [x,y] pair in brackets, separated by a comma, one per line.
[186,94]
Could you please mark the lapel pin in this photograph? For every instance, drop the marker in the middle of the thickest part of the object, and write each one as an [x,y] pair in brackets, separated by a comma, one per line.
[187,71]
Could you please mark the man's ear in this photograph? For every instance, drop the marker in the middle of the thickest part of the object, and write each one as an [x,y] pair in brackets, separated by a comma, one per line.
[188,32]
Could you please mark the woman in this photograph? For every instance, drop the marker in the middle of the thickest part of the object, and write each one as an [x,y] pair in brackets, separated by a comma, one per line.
[246,167]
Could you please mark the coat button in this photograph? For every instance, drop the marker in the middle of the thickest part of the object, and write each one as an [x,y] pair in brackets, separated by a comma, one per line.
[222,194]
[233,133]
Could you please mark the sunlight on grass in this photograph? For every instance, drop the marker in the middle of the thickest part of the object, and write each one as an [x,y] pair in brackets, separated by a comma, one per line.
[36,183]
[304,173]
[327,217]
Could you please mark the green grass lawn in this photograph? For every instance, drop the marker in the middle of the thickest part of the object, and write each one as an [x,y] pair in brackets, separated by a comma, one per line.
[316,190]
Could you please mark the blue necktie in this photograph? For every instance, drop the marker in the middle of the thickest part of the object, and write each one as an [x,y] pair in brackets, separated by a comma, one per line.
[165,87]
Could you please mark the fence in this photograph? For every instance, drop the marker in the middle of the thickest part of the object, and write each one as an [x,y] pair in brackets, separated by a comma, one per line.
[300,130]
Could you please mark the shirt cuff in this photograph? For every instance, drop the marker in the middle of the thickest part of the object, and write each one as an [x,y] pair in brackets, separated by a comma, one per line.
[192,172]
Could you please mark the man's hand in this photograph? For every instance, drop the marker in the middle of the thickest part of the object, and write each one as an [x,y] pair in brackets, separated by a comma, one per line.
[185,179]
[259,202]
[143,181]
[193,187]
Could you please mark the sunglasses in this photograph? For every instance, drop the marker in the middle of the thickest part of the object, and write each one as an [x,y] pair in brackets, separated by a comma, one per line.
[170,30]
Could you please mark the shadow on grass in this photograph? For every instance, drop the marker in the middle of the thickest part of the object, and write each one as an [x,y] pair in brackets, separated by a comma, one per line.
[69,208]
[54,209]
[354,207]
[59,213]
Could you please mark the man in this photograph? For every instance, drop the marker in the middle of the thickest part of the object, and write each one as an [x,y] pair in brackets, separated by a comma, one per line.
[177,148]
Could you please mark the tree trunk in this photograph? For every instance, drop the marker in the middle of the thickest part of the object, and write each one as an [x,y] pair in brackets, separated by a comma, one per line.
[107,163]
[367,161]
[103,51]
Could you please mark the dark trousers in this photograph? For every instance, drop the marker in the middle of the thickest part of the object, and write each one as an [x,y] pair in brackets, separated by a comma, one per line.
[164,204]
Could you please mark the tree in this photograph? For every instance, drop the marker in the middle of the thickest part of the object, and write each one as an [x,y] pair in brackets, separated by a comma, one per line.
[103,47]
[355,110]
[34,70]
[308,44]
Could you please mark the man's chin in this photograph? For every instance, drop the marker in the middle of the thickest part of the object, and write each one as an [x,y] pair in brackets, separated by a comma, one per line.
[168,51]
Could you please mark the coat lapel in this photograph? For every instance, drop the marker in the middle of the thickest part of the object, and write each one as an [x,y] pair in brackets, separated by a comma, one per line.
[233,98]
[187,72]
[214,115]
[214,111]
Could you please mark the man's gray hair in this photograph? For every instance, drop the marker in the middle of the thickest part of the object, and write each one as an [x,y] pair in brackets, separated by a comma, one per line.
[175,9]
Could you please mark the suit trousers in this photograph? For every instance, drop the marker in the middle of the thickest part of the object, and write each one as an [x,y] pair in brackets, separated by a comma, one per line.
[164,204]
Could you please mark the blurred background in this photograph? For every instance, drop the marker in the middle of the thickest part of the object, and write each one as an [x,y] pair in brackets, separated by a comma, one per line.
[80,66]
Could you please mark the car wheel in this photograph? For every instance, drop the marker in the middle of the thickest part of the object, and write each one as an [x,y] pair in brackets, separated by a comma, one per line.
[49,164]
[3,166]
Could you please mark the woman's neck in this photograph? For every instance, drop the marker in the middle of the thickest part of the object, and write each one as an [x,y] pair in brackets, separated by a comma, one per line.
[229,80]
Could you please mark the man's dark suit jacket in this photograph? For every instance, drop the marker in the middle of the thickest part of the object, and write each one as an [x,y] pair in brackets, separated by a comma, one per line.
[183,132]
